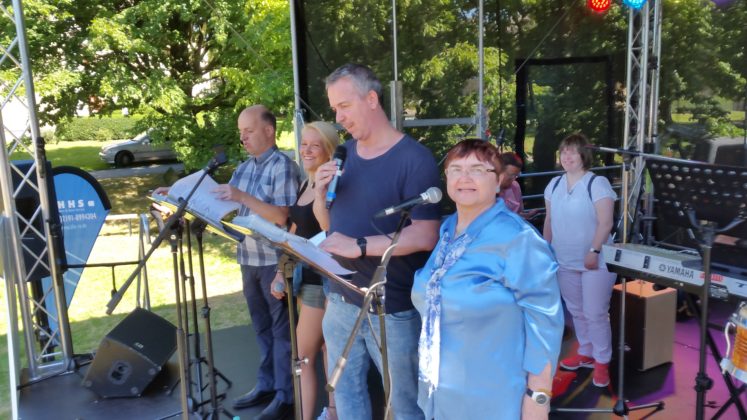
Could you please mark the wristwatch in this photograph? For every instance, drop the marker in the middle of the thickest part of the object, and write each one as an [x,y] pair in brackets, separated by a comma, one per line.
[594,250]
[362,242]
[540,396]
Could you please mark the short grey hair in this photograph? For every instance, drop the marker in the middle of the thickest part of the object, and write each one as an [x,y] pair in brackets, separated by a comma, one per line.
[362,77]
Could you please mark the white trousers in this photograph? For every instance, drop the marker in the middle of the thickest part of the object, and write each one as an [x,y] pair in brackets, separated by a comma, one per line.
[587,296]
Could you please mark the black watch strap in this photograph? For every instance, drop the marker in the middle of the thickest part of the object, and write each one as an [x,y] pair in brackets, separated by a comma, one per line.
[362,242]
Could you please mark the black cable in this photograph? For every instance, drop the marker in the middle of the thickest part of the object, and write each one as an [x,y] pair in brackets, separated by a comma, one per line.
[373,219]
[316,50]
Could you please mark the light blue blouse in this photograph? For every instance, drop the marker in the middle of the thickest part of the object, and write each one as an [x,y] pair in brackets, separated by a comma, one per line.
[501,318]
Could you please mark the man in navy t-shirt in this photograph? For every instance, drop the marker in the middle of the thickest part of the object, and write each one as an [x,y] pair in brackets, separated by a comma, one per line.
[383,168]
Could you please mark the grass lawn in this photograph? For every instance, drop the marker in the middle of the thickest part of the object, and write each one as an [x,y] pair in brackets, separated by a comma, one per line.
[89,322]
[734,116]
[84,154]
[81,154]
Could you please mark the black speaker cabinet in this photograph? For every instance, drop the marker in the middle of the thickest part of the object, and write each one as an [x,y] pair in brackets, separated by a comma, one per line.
[131,355]
[649,323]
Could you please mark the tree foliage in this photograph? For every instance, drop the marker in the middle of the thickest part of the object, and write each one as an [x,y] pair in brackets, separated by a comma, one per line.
[187,66]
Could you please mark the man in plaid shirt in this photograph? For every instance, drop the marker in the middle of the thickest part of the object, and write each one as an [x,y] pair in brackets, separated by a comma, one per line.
[266,185]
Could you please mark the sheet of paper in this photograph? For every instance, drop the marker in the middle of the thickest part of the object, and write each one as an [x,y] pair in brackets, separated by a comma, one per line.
[203,201]
[318,238]
[191,214]
[295,244]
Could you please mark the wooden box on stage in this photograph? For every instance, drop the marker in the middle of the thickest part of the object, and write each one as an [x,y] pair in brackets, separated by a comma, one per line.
[649,325]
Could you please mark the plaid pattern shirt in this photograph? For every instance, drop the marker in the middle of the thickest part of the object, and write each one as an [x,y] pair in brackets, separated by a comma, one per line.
[271,177]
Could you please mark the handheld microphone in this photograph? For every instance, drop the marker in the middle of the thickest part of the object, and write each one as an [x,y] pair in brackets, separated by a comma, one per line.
[431,196]
[339,157]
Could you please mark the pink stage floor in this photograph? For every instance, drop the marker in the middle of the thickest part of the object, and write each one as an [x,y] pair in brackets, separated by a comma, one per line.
[236,356]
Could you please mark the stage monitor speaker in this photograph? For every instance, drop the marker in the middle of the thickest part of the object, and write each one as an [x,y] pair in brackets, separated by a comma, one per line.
[649,323]
[131,355]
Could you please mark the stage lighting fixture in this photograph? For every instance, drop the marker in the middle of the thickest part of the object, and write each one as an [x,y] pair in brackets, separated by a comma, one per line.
[634,4]
[599,6]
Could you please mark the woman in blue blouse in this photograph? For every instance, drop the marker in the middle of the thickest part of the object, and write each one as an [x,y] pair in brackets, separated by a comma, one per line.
[489,300]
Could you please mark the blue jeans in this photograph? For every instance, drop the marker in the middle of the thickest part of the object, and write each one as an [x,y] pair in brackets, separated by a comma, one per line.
[270,322]
[402,332]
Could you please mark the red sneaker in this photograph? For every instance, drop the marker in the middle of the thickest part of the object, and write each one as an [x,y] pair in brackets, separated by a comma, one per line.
[577,361]
[562,381]
[601,376]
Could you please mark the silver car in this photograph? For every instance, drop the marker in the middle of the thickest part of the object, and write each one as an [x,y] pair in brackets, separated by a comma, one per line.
[139,149]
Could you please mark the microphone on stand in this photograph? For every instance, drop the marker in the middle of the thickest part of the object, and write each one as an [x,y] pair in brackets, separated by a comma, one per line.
[219,159]
[339,157]
[431,196]
[500,138]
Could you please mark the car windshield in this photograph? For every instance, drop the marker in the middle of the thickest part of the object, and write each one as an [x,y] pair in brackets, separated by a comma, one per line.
[141,136]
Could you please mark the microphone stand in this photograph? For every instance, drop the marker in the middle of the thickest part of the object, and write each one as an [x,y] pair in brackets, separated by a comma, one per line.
[286,265]
[167,227]
[374,295]
[170,228]
[216,409]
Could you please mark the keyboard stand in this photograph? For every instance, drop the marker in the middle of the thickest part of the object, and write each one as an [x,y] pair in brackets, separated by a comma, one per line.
[734,391]
[709,199]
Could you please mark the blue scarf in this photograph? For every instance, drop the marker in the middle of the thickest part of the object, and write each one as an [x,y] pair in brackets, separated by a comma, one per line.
[447,254]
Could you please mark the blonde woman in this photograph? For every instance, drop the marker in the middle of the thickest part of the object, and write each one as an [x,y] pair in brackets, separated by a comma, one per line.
[318,142]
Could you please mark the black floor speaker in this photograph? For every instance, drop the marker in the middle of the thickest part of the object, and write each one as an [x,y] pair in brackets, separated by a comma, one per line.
[131,355]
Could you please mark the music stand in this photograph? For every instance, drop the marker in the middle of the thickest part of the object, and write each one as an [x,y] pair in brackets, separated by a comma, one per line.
[197,222]
[295,249]
[171,227]
[710,199]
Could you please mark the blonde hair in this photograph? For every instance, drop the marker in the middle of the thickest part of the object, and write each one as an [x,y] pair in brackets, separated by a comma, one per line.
[328,133]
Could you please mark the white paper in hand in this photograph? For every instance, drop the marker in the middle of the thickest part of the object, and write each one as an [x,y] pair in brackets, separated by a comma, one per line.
[203,201]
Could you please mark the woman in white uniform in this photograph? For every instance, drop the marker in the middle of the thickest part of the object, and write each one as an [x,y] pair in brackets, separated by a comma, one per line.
[578,222]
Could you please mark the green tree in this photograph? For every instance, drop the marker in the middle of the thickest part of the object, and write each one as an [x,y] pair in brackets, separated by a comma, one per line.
[152,55]
[698,61]
[187,66]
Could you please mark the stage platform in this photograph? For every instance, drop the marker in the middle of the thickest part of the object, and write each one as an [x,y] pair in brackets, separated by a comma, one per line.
[63,397]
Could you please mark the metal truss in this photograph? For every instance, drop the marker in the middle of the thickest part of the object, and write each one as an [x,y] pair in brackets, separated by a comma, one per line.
[46,330]
[641,106]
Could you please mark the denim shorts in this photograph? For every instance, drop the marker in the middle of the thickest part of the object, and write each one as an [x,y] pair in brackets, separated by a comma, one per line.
[312,295]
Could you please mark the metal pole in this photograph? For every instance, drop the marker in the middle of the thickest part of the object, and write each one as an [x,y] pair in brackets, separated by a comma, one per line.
[298,113]
[394,39]
[626,125]
[10,278]
[481,76]
[55,270]
[655,71]
[395,88]
[653,139]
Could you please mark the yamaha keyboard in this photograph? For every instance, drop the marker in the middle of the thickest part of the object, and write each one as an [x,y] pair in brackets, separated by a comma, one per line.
[672,269]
